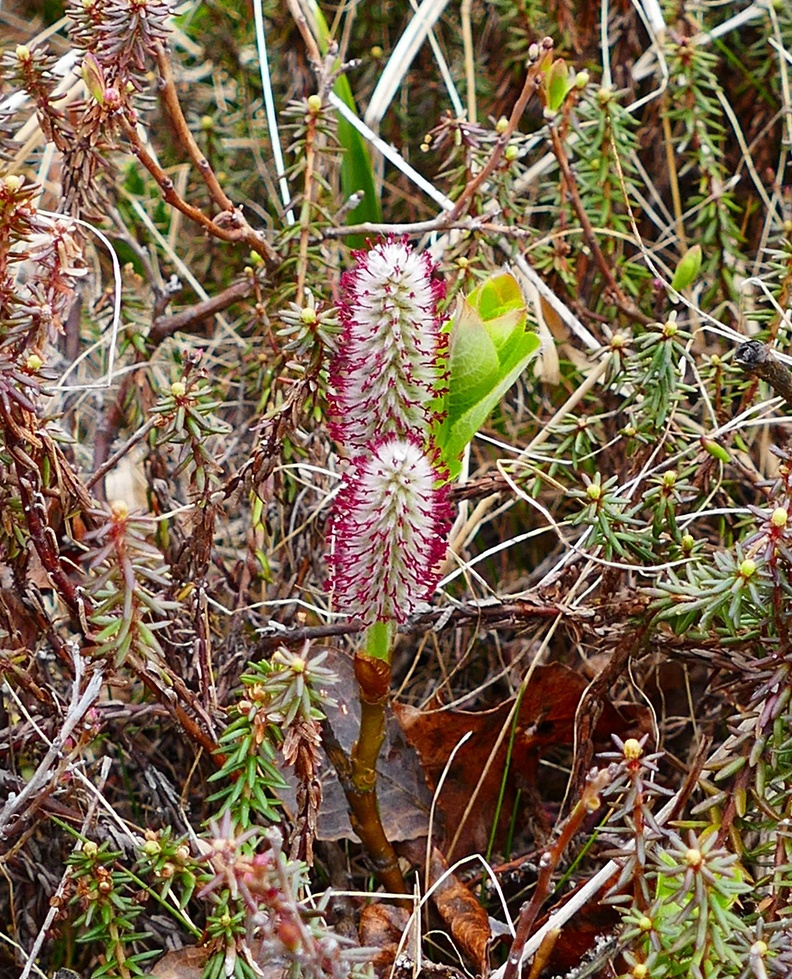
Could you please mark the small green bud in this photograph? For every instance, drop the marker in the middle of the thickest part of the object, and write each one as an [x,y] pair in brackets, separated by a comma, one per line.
[34,363]
[687,543]
[582,79]
[747,568]
[645,923]
[511,153]
[376,52]
[178,389]
[315,104]
[207,123]
[256,260]
[715,450]
[90,849]
[604,95]
[779,517]
[308,316]
[688,269]
[594,492]
[151,848]
[22,52]
[669,479]
[11,183]
[501,125]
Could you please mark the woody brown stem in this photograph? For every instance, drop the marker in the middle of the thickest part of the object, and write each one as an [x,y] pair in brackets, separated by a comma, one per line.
[528,89]
[757,360]
[358,772]
[234,227]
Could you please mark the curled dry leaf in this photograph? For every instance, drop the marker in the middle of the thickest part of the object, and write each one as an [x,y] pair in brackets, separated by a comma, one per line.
[546,718]
[466,919]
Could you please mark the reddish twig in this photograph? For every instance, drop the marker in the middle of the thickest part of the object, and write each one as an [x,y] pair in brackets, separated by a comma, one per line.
[622,302]
[589,802]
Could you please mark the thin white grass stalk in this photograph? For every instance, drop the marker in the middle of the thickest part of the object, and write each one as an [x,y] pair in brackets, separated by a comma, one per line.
[55,759]
[502,546]
[272,627]
[435,797]
[391,154]
[111,353]
[401,58]
[56,899]
[445,71]
[745,150]
[736,21]
[269,106]
[183,269]
[581,896]
[653,16]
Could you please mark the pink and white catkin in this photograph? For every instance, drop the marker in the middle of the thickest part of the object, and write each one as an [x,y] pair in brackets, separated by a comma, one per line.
[389,369]
[391,516]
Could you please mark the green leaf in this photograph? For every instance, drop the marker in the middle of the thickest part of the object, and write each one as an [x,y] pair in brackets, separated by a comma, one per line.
[490,347]
[688,268]
[559,84]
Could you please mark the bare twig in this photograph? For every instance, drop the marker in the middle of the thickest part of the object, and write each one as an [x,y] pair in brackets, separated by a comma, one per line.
[623,302]
[757,360]
[188,319]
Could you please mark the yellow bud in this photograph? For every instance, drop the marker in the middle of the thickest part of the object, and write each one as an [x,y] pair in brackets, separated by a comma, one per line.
[632,749]
[178,389]
[779,517]
[694,858]
[119,509]
[314,104]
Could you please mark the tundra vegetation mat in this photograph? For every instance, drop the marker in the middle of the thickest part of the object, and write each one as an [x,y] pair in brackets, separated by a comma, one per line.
[395,489]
